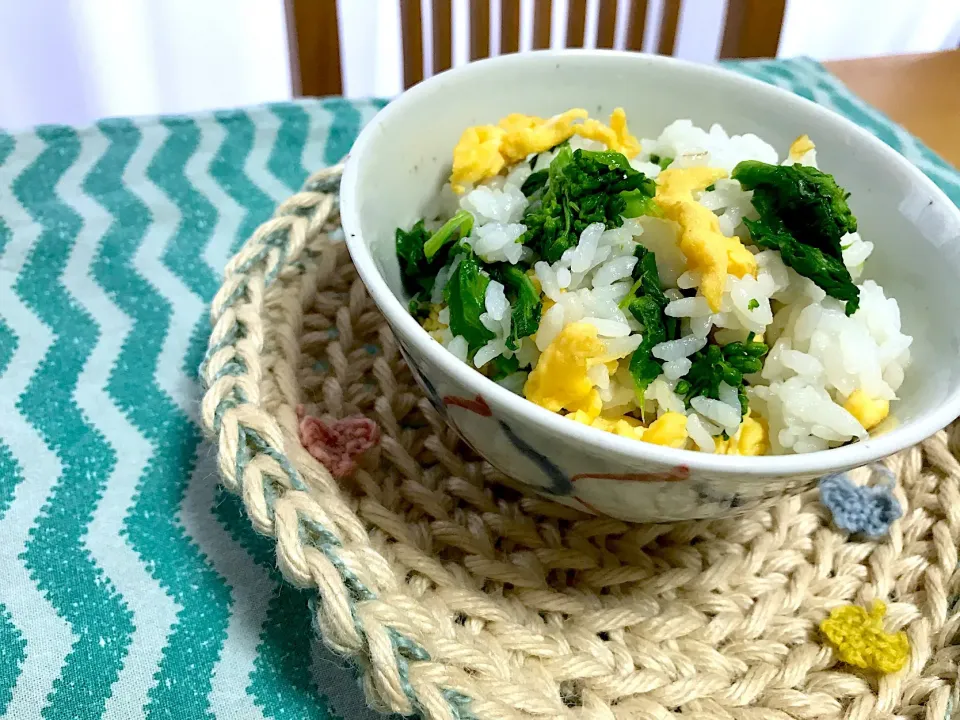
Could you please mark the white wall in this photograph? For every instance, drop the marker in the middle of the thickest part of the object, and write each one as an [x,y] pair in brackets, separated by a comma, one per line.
[74,61]
[861,28]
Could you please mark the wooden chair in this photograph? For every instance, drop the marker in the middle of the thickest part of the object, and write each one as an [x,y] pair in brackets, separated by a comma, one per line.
[751,29]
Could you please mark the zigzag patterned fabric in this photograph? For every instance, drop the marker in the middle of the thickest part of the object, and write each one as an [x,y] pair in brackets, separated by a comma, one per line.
[130,584]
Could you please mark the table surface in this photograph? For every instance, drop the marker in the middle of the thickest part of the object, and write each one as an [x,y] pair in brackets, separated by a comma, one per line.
[919,92]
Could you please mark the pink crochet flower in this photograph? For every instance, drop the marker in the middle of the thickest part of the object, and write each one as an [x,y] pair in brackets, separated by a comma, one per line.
[337,445]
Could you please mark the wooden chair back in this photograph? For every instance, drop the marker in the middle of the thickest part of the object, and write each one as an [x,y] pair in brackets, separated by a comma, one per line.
[751,29]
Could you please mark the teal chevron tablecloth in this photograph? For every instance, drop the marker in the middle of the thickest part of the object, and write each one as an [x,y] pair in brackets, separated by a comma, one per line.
[130,584]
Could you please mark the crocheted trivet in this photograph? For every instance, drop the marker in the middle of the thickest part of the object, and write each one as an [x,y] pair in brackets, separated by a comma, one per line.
[461,597]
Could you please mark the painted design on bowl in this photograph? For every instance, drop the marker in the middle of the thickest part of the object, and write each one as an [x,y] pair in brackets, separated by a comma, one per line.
[555,481]
[478,406]
[680,472]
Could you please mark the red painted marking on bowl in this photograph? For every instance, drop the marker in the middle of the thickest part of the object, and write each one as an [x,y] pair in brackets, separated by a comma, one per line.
[681,472]
[478,405]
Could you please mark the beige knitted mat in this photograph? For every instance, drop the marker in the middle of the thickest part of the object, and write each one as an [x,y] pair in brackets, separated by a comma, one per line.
[460,597]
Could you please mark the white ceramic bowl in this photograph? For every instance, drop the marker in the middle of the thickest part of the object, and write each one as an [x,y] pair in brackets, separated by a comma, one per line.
[403,156]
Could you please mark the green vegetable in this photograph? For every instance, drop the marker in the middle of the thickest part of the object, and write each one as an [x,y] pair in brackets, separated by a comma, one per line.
[710,188]
[535,182]
[639,204]
[647,283]
[523,296]
[644,367]
[420,306]
[461,224]
[809,203]
[646,302]
[412,261]
[753,304]
[826,271]
[465,294]
[803,215]
[418,271]
[663,162]
[728,364]
[746,356]
[500,367]
[582,188]
[646,276]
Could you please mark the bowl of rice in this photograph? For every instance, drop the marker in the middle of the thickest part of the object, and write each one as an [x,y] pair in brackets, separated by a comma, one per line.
[651,289]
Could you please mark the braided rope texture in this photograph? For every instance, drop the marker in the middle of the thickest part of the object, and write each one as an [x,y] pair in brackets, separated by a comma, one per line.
[460,597]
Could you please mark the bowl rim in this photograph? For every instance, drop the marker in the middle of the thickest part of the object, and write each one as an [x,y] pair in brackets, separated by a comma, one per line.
[822,461]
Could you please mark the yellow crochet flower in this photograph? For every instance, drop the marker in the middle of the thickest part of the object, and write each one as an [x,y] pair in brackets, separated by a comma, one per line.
[861,641]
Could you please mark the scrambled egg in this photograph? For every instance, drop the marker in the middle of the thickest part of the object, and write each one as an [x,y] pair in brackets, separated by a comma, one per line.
[616,137]
[433,325]
[800,147]
[483,151]
[432,322]
[868,411]
[669,429]
[559,381]
[526,134]
[624,425]
[750,439]
[706,249]
[477,155]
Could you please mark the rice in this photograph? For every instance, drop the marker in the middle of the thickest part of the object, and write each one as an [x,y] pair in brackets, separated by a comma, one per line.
[676,369]
[821,365]
[699,434]
[677,349]
[718,411]
[497,242]
[688,307]
[608,328]
[458,348]
[582,257]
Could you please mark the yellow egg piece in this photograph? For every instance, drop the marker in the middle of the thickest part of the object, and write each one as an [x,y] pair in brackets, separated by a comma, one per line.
[616,137]
[432,322]
[559,381]
[628,427]
[670,429]
[868,411]
[750,440]
[706,249]
[483,151]
[581,417]
[527,134]
[800,147]
[477,156]
[622,425]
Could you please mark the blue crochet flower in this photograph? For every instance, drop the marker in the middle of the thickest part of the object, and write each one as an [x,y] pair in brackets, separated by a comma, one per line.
[856,509]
